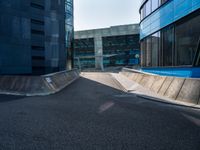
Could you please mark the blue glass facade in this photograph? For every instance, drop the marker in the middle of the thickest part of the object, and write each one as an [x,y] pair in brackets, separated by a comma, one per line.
[69,28]
[169,12]
[32,36]
[170,35]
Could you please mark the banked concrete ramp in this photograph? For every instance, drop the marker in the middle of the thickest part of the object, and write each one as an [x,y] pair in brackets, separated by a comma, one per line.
[178,89]
[37,85]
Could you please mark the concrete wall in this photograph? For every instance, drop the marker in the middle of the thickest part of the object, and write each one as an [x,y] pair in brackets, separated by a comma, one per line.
[180,89]
[37,85]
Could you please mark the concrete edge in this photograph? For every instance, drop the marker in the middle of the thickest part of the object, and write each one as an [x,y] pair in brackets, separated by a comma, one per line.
[157,98]
[44,89]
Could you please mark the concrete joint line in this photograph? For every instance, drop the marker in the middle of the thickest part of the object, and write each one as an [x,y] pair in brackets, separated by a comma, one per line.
[180,89]
[162,85]
[168,86]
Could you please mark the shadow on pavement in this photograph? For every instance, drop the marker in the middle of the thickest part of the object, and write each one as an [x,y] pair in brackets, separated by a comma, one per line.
[6,98]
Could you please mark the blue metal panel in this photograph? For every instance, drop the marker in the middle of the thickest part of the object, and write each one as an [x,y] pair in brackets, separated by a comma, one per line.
[177,72]
[167,14]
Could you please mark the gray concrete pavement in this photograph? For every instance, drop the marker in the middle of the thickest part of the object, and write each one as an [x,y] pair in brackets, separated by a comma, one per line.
[93,114]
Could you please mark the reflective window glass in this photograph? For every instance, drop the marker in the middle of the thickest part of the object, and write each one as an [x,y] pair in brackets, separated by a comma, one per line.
[155,48]
[155,4]
[144,12]
[167,44]
[187,36]
[148,52]
[148,7]
[143,53]
[163,1]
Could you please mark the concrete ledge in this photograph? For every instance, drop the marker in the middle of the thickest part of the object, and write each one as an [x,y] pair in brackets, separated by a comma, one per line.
[190,91]
[165,86]
[177,89]
[157,84]
[37,85]
[174,88]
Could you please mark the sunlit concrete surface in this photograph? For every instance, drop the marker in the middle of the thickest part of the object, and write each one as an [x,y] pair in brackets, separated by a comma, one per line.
[93,113]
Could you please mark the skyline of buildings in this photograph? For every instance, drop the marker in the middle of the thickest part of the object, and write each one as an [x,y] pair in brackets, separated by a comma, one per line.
[37,38]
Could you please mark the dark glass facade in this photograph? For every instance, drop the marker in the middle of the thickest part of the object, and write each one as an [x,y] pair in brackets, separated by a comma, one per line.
[175,45]
[69,28]
[33,39]
[121,50]
[84,56]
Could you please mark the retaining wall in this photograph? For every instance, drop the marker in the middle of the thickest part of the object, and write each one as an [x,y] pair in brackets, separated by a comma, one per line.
[37,85]
[180,89]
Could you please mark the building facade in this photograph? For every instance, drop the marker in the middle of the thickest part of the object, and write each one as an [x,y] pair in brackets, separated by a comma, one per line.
[33,38]
[170,35]
[114,46]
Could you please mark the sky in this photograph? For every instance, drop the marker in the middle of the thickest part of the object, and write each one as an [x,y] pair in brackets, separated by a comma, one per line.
[93,14]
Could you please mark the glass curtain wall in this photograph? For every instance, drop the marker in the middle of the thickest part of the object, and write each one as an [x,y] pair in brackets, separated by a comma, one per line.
[167,45]
[175,45]
[187,37]
[69,28]
[148,52]
[120,50]
[143,52]
[84,47]
[155,49]
[150,6]
[84,56]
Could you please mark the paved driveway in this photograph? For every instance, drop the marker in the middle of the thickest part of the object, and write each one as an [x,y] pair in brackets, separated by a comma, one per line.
[93,114]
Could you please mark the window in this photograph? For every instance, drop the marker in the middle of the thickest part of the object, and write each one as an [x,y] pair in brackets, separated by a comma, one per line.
[37,32]
[38,48]
[143,12]
[148,7]
[155,4]
[155,48]
[187,36]
[148,52]
[37,22]
[38,6]
[163,1]
[143,53]
[168,44]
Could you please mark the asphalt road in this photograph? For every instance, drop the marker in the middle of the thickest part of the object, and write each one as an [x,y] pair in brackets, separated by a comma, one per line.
[93,114]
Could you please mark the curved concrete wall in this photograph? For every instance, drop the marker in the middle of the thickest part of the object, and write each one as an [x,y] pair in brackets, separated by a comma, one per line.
[180,89]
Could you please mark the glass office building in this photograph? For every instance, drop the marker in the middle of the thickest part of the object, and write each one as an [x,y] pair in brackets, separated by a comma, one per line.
[121,50]
[33,38]
[107,47]
[170,35]
[84,53]
[69,28]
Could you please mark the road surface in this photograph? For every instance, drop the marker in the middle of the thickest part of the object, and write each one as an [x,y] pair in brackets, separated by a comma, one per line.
[94,114]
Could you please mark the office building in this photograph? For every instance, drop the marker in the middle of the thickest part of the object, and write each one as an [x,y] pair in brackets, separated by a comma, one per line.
[33,38]
[170,36]
[107,47]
